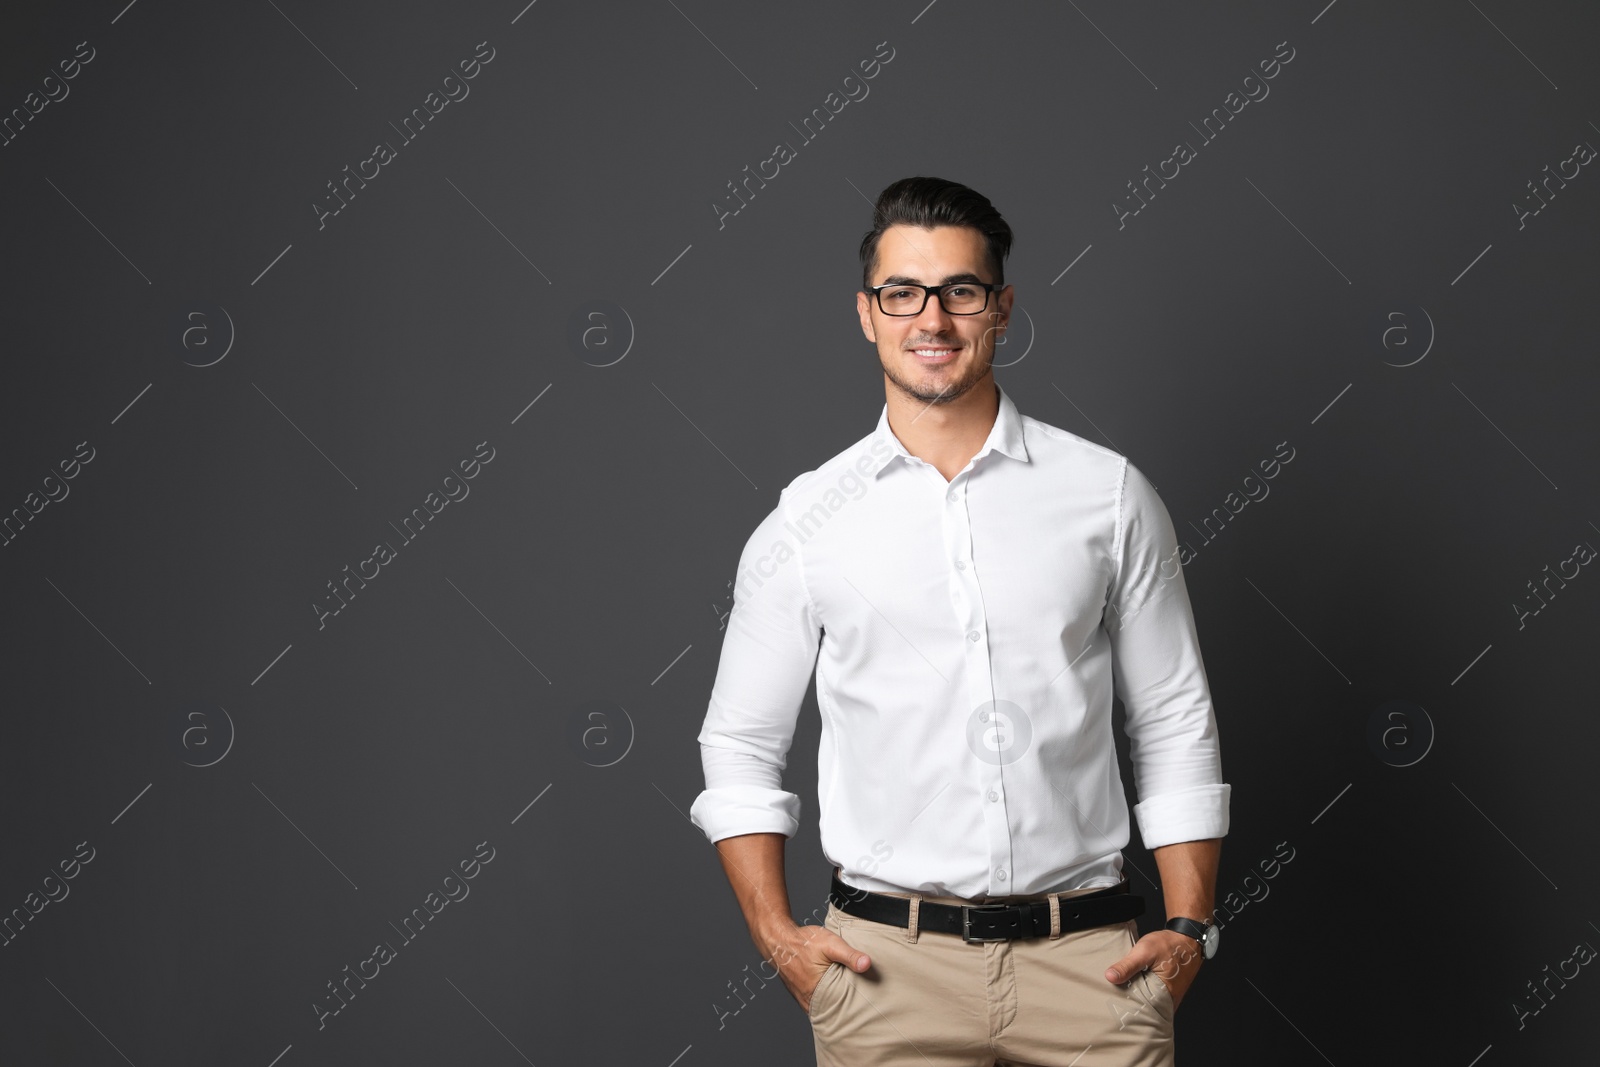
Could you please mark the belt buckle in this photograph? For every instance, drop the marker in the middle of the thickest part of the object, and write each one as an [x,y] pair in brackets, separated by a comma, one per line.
[966,922]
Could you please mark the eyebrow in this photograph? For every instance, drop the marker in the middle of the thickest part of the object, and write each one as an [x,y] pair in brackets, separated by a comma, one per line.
[906,279]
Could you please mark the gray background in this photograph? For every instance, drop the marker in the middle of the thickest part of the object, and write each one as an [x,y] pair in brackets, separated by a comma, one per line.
[160,615]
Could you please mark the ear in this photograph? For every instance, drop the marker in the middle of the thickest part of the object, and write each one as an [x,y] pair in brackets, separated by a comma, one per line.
[864,311]
[996,329]
[1001,316]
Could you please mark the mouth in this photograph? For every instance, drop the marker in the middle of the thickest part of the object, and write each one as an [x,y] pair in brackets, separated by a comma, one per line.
[935,354]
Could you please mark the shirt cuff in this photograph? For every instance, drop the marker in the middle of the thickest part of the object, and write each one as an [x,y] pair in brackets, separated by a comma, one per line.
[1196,814]
[731,810]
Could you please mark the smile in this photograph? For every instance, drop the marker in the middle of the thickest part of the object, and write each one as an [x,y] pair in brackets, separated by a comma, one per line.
[934,355]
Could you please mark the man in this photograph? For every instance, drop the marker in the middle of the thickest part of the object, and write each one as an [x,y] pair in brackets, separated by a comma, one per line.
[977,583]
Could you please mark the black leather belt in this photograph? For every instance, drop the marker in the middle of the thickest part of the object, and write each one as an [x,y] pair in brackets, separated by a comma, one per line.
[977,923]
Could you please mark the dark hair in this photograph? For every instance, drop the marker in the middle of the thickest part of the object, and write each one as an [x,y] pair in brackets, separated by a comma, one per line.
[929,202]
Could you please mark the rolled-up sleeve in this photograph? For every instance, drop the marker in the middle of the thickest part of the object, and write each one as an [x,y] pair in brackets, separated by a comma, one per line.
[1158,673]
[768,654]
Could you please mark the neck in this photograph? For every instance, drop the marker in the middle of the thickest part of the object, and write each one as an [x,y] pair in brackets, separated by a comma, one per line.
[946,435]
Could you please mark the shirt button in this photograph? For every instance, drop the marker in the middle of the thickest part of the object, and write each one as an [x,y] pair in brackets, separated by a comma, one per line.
[952,495]
[961,565]
[993,795]
[1001,874]
[972,635]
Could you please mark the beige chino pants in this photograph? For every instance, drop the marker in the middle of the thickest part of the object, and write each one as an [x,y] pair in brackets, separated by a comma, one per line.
[931,999]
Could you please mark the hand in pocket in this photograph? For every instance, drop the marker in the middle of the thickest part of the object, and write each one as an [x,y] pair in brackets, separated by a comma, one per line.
[805,956]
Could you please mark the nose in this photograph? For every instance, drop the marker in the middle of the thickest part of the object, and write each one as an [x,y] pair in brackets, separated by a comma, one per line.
[934,319]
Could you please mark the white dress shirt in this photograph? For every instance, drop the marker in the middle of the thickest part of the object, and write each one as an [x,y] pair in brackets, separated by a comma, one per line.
[970,633]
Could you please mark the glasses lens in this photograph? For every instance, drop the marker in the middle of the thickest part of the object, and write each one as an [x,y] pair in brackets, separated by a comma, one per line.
[901,300]
[908,299]
[965,299]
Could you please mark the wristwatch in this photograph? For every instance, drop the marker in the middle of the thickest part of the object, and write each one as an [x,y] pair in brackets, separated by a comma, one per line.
[1207,934]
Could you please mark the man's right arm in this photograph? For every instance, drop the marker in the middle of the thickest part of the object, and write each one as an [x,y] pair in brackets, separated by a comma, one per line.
[754,865]
[768,654]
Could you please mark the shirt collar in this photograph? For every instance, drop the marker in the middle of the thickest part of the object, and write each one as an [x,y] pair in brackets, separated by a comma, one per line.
[1005,436]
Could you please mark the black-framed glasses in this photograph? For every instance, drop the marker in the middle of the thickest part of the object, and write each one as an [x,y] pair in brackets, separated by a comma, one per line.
[957,298]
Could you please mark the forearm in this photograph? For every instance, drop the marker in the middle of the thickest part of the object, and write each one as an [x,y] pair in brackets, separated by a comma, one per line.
[754,866]
[1188,884]
[1189,877]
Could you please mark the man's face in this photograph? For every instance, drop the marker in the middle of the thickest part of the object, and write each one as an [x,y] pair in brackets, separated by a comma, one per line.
[935,356]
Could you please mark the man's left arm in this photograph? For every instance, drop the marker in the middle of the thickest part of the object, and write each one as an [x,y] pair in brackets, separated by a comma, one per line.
[1172,733]
[1188,886]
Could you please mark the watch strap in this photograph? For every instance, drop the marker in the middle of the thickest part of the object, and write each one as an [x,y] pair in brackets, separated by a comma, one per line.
[1189,928]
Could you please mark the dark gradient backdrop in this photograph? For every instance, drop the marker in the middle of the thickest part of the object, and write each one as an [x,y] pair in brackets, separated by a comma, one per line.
[244,346]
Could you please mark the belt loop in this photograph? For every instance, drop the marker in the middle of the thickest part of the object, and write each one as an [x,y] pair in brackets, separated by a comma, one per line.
[1055,916]
[911,927]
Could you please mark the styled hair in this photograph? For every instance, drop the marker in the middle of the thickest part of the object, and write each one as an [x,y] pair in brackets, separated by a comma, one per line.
[929,202]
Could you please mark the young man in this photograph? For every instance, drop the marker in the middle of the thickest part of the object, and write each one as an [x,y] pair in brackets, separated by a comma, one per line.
[977,582]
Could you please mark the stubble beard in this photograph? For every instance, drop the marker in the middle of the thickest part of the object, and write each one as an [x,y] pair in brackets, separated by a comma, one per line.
[930,389]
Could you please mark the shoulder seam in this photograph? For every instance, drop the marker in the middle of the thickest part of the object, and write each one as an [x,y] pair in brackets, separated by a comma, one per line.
[800,559]
[1067,435]
[1117,533]
[799,480]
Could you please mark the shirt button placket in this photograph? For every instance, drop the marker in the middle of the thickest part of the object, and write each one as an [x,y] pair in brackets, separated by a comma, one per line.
[964,583]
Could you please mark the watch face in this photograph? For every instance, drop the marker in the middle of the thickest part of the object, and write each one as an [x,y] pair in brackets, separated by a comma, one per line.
[1213,936]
